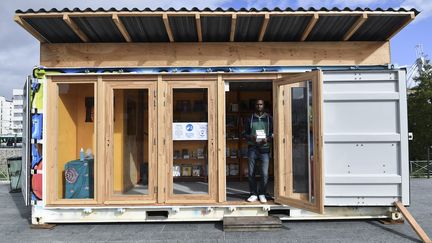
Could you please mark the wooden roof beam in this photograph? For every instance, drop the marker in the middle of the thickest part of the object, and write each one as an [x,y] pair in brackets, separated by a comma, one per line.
[355,26]
[310,26]
[121,27]
[198,27]
[233,27]
[30,29]
[168,27]
[408,20]
[264,27]
[75,28]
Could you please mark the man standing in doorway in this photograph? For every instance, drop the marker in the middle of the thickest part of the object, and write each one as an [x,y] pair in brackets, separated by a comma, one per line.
[259,133]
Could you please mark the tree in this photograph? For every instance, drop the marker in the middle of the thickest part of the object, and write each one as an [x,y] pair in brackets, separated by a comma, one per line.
[420,113]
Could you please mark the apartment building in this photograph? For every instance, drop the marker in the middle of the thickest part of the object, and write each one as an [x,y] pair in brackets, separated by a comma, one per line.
[17,112]
[5,116]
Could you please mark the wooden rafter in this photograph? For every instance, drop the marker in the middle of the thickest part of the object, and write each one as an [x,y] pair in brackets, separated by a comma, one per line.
[30,29]
[264,27]
[168,27]
[408,20]
[355,26]
[310,26]
[198,27]
[233,27]
[75,28]
[121,27]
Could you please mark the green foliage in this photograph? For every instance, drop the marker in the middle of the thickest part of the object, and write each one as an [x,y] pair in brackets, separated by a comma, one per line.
[420,113]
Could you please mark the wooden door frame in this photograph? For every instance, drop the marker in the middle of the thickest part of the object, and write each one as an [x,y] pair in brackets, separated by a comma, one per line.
[281,169]
[51,163]
[211,84]
[133,84]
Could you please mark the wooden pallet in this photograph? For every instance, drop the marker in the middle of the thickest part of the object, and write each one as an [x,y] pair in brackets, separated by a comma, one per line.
[42,226]
[254,223]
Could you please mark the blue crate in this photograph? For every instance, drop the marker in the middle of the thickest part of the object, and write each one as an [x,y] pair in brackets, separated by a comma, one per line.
[78,177]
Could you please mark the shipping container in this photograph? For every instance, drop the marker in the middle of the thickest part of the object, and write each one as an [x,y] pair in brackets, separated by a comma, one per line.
[140,115]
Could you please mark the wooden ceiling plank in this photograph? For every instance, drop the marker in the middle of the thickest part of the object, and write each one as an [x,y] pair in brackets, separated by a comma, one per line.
[360,21]
[75,28]
[121,28]
[310,26]
[264,27]
[30,29]
[168,27]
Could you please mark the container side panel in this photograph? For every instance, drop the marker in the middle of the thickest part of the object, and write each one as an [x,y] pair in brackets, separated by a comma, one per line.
[363,142]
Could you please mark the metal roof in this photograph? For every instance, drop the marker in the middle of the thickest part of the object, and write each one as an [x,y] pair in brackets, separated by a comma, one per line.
[213,25]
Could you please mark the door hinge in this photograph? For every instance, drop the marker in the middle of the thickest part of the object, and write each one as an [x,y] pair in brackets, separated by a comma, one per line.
[283,140]
[283,102]
[284,188]
[156,189]
[154,141]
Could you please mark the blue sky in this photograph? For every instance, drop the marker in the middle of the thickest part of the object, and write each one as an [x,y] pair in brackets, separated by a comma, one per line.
[19,51]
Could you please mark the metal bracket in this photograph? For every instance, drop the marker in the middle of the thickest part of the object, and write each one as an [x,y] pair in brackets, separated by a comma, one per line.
[87,211]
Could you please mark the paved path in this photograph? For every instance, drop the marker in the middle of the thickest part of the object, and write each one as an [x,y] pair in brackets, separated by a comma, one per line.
[14,227]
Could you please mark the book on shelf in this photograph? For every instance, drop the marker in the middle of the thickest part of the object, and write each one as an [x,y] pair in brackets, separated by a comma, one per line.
[233,169]
[177,154]
[186,170]
[200,153]
[176,170]
[185,154]
[196,170]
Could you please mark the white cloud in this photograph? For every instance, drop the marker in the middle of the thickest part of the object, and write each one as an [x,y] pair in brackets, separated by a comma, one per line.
[425,6]
[336,3]
[19,50]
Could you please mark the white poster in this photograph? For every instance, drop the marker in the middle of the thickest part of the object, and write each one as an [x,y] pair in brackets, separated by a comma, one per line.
[190,131]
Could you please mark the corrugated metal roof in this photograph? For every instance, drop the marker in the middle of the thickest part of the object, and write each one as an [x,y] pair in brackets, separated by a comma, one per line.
[217,28]
[331,28]
[248,28]
[145,29]
[286,28]
[99,29]
[148,25]
[378,27]
[183,28]
[335,9]
[53,29]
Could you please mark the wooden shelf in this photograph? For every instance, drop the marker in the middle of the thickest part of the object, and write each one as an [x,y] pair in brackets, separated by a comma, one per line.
[190,160]
[190,178]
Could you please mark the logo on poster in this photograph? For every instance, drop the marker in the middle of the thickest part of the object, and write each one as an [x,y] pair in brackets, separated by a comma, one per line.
[189,127]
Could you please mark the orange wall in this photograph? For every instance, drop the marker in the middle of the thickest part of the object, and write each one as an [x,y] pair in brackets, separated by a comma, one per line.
[73,132]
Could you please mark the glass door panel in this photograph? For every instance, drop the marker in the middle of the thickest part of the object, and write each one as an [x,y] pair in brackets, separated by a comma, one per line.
[75,115]
[132,152]
[190,141]
[131,142]
[298,141]
[191,147]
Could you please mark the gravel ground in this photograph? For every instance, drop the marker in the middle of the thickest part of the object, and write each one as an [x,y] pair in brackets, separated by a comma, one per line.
[14,227]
